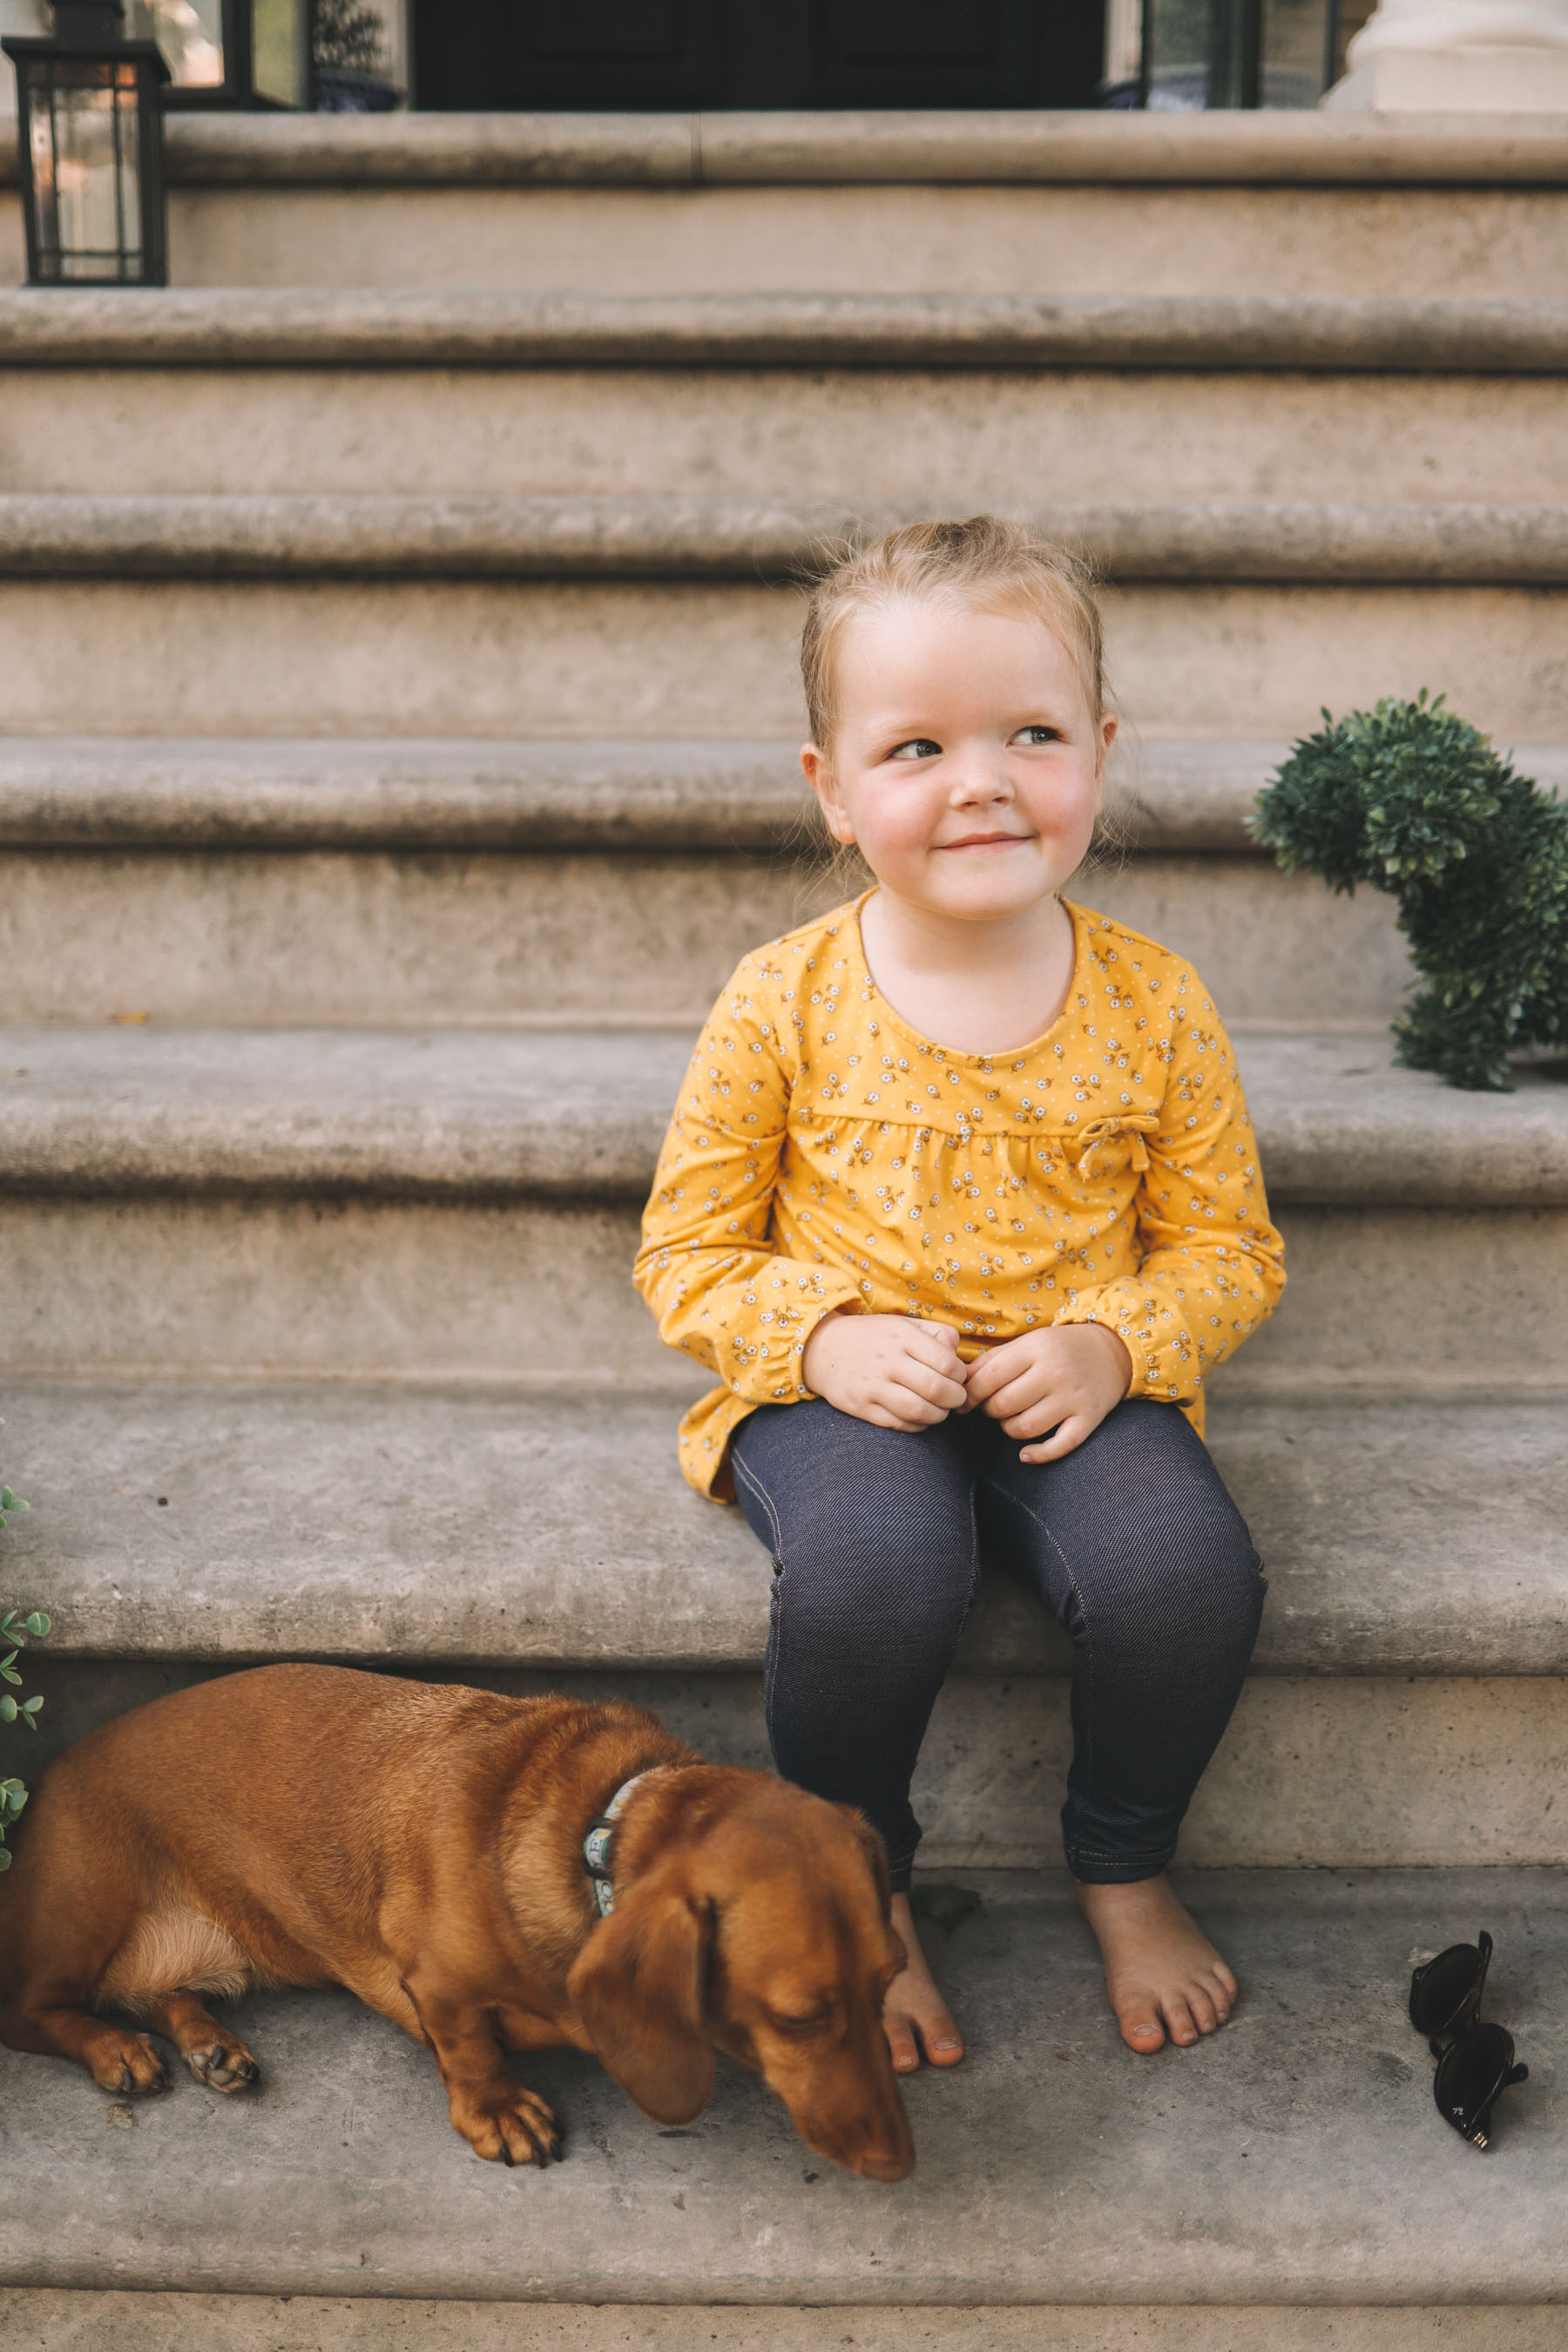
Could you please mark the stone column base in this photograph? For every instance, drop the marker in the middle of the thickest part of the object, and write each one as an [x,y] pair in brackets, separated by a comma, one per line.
[1495,78]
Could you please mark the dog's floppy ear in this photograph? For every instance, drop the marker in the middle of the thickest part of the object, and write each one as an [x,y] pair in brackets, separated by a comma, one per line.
[637,1987]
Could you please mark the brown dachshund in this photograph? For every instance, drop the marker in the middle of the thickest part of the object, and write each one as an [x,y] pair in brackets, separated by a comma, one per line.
[423,1846]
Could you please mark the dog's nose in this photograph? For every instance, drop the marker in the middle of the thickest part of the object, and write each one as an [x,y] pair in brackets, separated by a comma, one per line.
[885,2167]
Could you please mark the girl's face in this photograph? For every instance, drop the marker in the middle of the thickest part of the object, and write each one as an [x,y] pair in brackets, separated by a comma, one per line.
[968,767]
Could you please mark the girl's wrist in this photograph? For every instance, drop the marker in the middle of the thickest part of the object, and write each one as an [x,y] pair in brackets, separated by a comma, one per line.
[1118,1351]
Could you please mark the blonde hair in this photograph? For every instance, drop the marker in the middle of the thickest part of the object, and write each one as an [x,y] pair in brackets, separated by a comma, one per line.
[986,562]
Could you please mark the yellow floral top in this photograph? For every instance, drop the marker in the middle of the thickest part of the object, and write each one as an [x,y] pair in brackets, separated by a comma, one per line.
[824,1154]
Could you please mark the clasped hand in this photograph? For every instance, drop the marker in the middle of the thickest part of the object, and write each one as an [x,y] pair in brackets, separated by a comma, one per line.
[903,1373]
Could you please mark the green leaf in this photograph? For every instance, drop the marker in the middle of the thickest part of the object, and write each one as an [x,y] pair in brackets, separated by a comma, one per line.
[37,1625]
[7,1674]
[7,1710]
[29,1708]
[5,1857]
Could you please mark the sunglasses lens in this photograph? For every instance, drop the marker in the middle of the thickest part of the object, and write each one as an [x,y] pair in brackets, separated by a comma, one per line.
[1439,1990]
[1471,2074]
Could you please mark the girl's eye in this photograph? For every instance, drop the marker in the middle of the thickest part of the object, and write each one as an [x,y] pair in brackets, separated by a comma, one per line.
[918,746]
[1038,735]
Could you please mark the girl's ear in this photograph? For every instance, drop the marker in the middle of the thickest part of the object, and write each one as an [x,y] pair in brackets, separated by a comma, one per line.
[819,772]
[1108,727]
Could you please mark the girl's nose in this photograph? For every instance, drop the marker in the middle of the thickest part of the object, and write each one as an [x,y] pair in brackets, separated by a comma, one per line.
[979,781]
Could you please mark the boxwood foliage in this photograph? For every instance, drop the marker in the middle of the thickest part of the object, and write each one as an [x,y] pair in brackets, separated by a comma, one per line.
[1414,801]
[15,1632]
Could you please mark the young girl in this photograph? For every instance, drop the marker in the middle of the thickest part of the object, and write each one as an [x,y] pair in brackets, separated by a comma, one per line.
[961,1202]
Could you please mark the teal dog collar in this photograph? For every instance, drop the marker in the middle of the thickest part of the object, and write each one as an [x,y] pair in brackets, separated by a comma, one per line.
[599,1844]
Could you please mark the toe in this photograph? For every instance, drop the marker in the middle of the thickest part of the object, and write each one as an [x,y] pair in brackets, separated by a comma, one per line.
[226,2066]
[521,2145]
[1141,2027]
[1201,2009]
[1179,2017]
[135,2068]
[900,2034]
[939,2036]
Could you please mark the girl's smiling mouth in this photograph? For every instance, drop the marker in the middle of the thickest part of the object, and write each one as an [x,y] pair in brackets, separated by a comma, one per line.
[985,840]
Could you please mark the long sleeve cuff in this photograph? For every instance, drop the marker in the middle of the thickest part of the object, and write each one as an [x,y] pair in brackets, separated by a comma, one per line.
[759,1334]
[1165,1361]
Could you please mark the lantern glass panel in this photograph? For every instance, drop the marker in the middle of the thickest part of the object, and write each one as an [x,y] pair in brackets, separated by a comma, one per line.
[1297,61]
[190,34]
[280,51]
[84,136]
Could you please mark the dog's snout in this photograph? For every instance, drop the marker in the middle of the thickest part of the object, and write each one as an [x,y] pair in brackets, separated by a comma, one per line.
[885,2167]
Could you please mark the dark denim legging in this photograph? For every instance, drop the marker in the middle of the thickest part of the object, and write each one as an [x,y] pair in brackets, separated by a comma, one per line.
[876,1536]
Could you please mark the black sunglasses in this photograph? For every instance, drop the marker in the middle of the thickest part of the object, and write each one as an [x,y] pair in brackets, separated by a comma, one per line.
[1475,2061]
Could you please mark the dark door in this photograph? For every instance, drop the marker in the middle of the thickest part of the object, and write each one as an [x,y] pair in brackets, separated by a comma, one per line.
[697,54]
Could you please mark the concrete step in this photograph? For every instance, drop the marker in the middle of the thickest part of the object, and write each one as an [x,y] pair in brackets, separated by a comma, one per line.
[291,538]
[933,398]
[466,1202]
[44,2319]
[1007,203]
[1406,1704]
[533,617]
[535,883]
[1296,2159]
[1165,794]
[177,1524]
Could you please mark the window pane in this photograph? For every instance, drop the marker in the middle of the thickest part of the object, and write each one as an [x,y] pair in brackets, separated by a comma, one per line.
[1180,36]
[279,45]
[1295,51]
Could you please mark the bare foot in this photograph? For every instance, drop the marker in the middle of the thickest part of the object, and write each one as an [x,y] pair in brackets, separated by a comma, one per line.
[1161,1971]
[915,2018]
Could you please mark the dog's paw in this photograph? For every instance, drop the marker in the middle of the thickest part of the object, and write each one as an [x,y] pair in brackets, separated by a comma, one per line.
[224,2065]
[129,2064]
[521,2131]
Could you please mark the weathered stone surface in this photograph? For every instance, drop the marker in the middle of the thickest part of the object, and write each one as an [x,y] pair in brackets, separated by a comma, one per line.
[249,792]
[462,1528]
[1439,241]
[232,327]
[245,1283]
[577,1114]
[518,657]
[193,792]
[514,937]
[580,1114]
[1297,2156]
[281,537]
[642,150]
[46,2319]
[946,438]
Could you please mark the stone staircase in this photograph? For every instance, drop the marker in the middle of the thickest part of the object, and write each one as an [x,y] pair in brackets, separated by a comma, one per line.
[396,630]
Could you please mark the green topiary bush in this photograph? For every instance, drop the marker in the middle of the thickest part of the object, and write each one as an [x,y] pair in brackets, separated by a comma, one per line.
[14,1631]
[1414,802]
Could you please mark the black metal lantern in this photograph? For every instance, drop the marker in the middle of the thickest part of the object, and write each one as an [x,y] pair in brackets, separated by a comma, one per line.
[90,128]
[232,53]
[1203,53]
